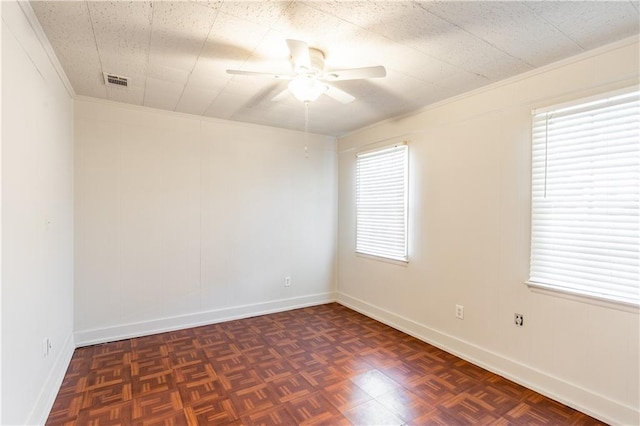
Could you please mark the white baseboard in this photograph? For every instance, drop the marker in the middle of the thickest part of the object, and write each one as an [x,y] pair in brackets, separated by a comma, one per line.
[584,400]
[49,391]
[126,331]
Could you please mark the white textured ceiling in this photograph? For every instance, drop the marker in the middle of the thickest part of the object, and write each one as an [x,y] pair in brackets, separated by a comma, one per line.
[176,53]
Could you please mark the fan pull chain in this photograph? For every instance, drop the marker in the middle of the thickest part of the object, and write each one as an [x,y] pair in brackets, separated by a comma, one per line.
[306,129]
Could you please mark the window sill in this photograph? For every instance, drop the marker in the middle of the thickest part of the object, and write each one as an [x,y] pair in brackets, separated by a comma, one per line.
[584,297]
[398,262]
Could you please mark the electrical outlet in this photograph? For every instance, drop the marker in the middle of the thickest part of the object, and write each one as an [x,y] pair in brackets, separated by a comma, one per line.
[46,347]
[518,319]
[459,311]
[287,281]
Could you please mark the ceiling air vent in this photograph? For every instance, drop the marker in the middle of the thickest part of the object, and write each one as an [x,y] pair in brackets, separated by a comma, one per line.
[115,80]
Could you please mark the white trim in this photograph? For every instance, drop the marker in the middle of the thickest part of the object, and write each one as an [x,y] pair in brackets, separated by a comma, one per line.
[1,210]
[381,147]
[145,328]
[587,401]
[379,143]
[592,299]
[398,262]
[46,45]
[49,390]
[491,86]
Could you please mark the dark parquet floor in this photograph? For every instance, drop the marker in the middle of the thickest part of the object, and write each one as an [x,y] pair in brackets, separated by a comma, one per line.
[323,365]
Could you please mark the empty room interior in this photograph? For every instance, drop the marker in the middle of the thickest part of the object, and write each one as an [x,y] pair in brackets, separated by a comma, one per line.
[320,212]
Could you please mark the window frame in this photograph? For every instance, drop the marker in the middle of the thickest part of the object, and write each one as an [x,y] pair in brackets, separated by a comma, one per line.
[402,258]
[596,294]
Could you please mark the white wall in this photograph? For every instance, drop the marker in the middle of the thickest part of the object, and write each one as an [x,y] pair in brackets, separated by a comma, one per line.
[37,220]
[183,220]
[469,243]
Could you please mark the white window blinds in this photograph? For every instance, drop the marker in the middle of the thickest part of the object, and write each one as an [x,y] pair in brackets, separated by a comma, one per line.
[381,202]
[586,198]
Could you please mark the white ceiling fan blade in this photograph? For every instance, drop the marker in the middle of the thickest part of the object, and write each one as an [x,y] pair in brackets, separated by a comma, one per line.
[260,74]
[339,95]
[282,95]
[299,54]
[356,73]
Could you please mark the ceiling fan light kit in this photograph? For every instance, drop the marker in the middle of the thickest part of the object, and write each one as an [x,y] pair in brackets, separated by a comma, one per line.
[308,79]
[307,88]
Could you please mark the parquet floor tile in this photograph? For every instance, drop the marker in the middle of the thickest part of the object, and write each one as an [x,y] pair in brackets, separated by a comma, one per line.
[323,365]
[375,383]
[345,395]
[313,409]
[405,404]
[195,392]
[112,414]
[276,416]
[259,397]
[373,413]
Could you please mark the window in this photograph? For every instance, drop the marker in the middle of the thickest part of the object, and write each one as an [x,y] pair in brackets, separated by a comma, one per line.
[381,202]
[586,197]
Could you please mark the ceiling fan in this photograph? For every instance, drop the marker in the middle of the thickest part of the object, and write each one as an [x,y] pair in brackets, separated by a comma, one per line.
[309,79]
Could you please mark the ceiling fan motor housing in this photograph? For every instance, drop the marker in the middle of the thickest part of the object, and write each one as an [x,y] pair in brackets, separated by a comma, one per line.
[316,59]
